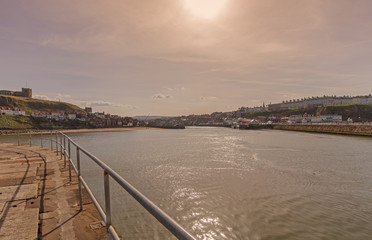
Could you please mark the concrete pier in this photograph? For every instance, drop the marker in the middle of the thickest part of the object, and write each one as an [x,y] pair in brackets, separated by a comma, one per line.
[37,201]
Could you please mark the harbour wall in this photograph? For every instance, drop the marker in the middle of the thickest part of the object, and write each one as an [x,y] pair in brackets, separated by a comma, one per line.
[345,129]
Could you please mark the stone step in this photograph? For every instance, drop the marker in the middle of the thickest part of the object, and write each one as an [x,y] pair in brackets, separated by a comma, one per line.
[18,222]
[18,192]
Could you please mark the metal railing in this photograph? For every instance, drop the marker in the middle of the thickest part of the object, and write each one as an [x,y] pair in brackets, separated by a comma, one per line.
[63,146]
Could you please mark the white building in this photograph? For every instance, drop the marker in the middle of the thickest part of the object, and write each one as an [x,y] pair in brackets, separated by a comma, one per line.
[6,111]
[39,114]
[19,112]
[314,119]
[57,115]
[71,116]
[12,111]
[100,115]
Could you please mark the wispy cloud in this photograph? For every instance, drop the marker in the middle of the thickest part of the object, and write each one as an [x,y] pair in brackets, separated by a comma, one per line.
[210,98]
[161,96]
[41,97]
[84,103]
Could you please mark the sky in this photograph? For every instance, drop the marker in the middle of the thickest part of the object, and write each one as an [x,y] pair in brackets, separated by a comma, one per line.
[181,57]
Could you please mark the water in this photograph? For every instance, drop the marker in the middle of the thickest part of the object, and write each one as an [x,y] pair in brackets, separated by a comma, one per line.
[220,183]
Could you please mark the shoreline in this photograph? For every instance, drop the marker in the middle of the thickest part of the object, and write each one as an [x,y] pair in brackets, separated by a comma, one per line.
[347,130]
[83,130]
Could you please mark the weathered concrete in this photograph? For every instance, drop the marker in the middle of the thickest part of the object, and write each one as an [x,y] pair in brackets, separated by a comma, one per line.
[20,222]
[19,192]
[37,201]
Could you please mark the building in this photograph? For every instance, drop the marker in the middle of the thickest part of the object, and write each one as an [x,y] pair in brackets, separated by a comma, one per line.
[26,92]
[12,111]
[314,119]
[71,116]
[88,110]
[100,115]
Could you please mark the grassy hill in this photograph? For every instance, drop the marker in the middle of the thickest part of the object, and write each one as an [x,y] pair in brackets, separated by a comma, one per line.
[358,112]
[33,105]
[16,122]
[9,122]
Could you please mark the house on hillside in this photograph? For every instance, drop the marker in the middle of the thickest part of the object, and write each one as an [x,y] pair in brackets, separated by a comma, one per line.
[71,116]
[12,111]
[6,111]
[19,112]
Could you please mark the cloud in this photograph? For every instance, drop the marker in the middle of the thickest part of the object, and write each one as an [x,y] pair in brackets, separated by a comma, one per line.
[161,96]
[84,103]
[41,97]
[63,97]
[171,89]
[103,104]
[211,98]
[108,104]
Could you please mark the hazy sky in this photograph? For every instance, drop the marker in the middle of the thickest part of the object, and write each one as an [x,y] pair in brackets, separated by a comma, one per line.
[173,57]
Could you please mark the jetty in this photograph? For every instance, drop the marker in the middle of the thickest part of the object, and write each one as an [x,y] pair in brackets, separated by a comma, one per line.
[38,200]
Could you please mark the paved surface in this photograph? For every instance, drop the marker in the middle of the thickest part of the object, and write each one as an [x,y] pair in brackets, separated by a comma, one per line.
[37,200]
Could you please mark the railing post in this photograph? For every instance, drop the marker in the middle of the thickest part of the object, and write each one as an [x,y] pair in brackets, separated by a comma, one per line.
[60,144]
[78,175]
[30,139]
[41,139]
[64,150]
[57,143]
[51,141]
[69,159]
[107,199]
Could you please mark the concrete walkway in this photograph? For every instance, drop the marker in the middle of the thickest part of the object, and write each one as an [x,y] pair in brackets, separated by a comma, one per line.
[37,201]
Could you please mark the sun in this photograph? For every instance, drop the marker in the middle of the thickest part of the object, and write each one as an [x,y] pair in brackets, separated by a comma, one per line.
[206,9]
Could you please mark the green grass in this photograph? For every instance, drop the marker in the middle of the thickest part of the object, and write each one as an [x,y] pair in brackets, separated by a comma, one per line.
[15,122]
[10,122]
[349,105]
[34,105]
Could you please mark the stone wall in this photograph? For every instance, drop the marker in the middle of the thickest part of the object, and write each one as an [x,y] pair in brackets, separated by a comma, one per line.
[347,129]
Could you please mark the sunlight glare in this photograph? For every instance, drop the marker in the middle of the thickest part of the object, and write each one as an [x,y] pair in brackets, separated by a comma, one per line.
[207,9]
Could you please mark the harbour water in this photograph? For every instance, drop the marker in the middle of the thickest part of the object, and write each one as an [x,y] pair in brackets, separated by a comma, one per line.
[220,183]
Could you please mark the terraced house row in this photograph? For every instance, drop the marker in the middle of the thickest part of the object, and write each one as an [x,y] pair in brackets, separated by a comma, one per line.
[12,111]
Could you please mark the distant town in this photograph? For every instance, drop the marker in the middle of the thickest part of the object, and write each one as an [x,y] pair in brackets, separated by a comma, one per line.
[92,119]
[285,112]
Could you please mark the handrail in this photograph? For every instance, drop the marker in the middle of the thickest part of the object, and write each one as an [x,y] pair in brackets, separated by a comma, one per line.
[154,210]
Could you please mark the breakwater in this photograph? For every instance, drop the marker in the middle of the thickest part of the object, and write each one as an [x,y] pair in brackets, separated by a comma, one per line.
[345,129]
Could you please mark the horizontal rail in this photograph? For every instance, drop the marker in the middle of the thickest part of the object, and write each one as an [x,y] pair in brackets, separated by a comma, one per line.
[95,202]
[159,214]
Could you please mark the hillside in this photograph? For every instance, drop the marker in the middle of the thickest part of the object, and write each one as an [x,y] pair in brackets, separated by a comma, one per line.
[357,112]
[34,105]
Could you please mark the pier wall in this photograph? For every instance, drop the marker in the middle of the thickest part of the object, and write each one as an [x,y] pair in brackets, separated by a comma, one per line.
[346,129]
